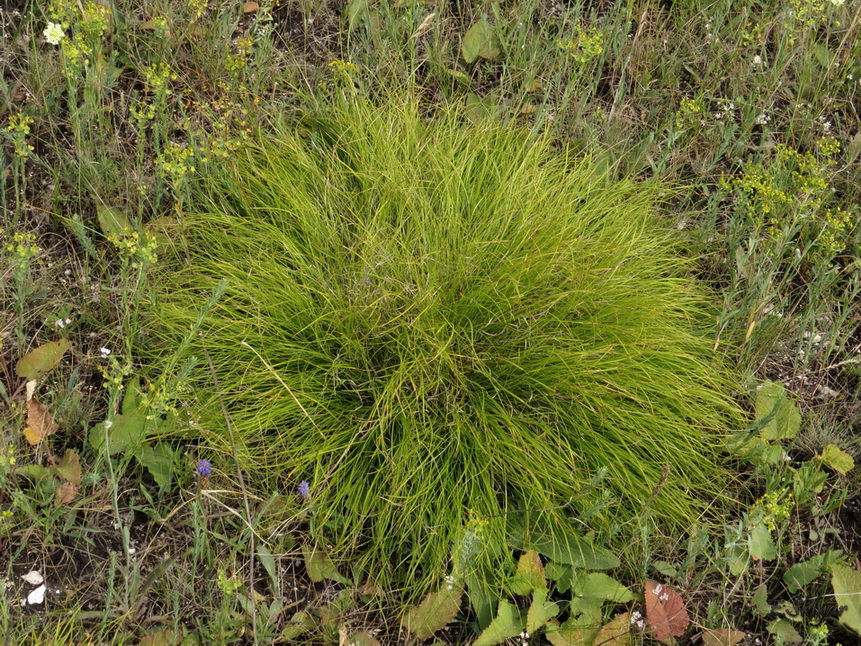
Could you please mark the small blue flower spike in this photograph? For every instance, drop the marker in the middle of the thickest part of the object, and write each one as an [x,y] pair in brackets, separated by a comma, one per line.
[204,467]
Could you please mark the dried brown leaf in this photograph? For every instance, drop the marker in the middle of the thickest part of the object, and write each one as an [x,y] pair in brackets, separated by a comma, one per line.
[40,422]
[722,637]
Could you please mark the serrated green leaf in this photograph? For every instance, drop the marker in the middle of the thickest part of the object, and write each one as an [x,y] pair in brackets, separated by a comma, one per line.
[778,414]
[113,221]
[434,613]
[760,601]
[480,41]
[847,592]
[833,458]
[760,543]
[540,610]
[37,362]
[805,572]
[529,575]
[562,574]
[507,624]
[158,460]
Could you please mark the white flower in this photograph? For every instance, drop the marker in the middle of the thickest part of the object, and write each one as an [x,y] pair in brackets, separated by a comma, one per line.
[757,61]
[837,3]
[762,119]
[105,352]
[53,33]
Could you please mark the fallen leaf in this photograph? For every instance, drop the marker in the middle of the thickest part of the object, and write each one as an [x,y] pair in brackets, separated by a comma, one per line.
[250,7]
[31,388]
[722,637]
[40,423]
[37,596]
[665,612]
[33,577]
[70,467]
[435,612]
[65,493]
[615,633]
[37,362]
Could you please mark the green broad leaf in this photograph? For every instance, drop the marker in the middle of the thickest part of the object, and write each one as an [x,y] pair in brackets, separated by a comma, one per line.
[132,398]
[833,458]
[125,432]
[480,41]
[805,572]
[540,610]
[665,568]
[600,586]
[755,449]
[158,460]
[320,567]
[778,414]
[357,10]
[760,544]
[565,635]
[507,624]
[847,586]
[299,624]
[482,599]
[265,558]
[564,546]
[529,575]
[760,601]
[113,221]
[784,630]
[562,574]
[37,362]
[34,472]
[435,612]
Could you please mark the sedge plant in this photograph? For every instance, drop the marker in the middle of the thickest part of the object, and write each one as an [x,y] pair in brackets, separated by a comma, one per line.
[433,324]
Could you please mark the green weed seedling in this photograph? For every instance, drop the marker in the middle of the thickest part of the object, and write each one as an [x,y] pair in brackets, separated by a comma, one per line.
[767,534]
[550,581]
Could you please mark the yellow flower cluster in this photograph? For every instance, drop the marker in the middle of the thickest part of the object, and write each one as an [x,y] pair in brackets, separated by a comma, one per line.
[773,507]
[587,43]
[17,131]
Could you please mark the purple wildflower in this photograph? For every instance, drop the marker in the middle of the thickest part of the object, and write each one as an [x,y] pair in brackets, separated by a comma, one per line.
[204,467]
[304,489]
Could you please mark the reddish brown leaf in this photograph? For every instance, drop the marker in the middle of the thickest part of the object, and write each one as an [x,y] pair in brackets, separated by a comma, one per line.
[66,493]
[666,614]
[722,637]
[40,423]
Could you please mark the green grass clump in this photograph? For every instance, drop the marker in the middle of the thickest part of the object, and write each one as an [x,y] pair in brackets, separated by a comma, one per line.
[433,321]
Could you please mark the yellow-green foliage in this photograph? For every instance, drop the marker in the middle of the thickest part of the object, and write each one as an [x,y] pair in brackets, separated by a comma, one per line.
[432,322]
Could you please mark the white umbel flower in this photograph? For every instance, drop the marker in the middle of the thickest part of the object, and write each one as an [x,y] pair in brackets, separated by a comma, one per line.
[54,33]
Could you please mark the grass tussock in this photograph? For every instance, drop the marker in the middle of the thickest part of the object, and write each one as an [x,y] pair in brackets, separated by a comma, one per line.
[431,320]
